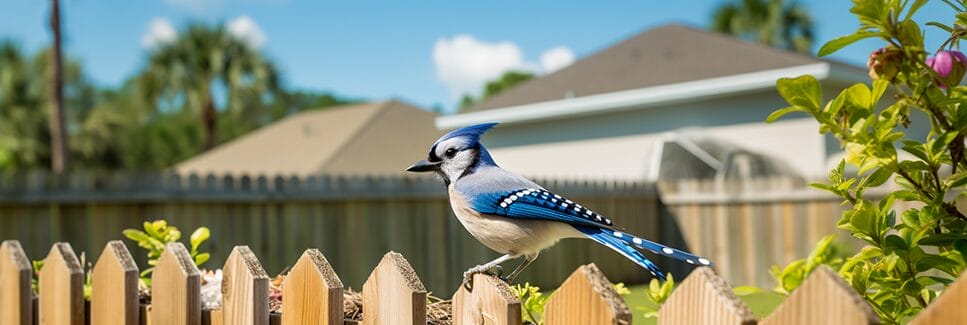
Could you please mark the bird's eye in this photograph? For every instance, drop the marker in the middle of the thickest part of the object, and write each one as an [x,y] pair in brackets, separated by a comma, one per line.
[451,152]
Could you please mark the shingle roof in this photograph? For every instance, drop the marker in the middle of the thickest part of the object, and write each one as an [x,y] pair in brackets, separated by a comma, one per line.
[664,55]
[380,138]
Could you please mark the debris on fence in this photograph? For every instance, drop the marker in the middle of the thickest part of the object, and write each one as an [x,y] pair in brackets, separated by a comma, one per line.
[61,287]
[587,297]
[114,292]
[704,298]
[15,291]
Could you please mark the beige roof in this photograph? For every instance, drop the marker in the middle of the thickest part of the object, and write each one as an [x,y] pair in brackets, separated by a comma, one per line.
[660,56]
[368,139]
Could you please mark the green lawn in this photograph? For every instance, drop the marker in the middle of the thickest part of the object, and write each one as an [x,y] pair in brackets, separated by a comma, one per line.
[761,303]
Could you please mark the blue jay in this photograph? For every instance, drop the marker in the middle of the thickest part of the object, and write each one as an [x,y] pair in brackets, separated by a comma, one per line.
[518,218]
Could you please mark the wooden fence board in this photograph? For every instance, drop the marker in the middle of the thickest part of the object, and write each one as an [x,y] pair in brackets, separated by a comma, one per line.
[491,302]
[823,298]
[704,298]
[245,289]
[586,297]
[176,285]
[61,283]
[16,295]
[114,292]
[312,292]
[948,308]
[393,294]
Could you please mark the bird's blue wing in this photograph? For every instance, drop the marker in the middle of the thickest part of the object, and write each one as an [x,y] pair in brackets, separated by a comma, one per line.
[536,203]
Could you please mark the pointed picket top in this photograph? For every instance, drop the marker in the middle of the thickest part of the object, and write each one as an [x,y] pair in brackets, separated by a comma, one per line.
[704,298]
[176,286]
[948,307]
[491,302]
[245,289]
[393,294]
[61,284]
[586,297]
[15,291]
[114,282]
[312,292]
[823,298]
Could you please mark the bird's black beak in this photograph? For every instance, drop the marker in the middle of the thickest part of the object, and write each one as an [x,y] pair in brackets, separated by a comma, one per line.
[424,166]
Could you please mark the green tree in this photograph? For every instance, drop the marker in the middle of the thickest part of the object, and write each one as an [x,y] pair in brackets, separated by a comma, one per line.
[187,72]
[770,22]
[506,81]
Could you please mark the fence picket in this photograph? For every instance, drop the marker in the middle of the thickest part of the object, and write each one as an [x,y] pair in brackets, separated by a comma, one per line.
[176,285]
[245,290]
[704,298]
[15,291]
[114,292]
[947,308]
[393,294]
[823,298]
[490,302]
[61,283]
[312,292]
[586,297]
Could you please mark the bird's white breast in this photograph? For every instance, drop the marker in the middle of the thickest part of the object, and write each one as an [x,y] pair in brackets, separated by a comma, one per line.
[507,235]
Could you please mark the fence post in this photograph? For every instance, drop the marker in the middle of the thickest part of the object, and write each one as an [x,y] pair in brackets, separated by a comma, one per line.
[15,291]
[823,298]
[948,307]
[61,284]
[114,292]
[176,285]
[311,292]
[490,302]
[586,297]
[393,294]
[245,290]
[704,298]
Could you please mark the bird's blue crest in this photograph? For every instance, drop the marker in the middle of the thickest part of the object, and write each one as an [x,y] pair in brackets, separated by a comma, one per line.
[473,132]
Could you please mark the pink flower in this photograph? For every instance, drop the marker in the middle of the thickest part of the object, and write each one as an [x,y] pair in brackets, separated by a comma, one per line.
[950,66]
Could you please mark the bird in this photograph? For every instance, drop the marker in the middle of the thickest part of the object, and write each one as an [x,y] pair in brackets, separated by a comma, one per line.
[518,218]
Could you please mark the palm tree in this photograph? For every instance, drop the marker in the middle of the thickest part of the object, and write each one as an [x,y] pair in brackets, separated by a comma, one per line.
[187,72]
[58,133]
[769,22]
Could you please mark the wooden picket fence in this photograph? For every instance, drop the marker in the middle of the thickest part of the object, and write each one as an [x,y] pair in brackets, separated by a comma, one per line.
[312,293]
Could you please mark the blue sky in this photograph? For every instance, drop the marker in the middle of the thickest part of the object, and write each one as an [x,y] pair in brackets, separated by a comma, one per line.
[425,53]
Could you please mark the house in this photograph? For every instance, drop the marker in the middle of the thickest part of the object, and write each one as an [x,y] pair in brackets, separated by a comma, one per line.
[367,139]
[670,102]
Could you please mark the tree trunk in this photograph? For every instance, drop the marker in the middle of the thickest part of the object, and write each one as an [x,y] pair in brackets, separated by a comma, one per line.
[208,120]
[58,137]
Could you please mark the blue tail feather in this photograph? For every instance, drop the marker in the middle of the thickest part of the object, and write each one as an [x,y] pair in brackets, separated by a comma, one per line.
[606,238]
[660,249]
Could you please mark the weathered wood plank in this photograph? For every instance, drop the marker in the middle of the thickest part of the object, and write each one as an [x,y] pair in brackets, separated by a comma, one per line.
[312,292]
[176,285]
[704,298]
[823,298]
[586,297]
[245,289]
[61,283]
[114,292]
[393,294]
[491,302]
[16,295]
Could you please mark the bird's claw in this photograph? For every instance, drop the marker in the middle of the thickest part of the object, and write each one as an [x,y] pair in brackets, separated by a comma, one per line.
[495,270]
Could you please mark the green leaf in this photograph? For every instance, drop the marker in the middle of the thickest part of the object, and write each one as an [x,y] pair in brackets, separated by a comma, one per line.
[879,88]
[783,111]
[199,236]
[941,26]
[135,235]
[201,258]
[877,178]
[895,243]
[940,239]
[803,91]
[858,96]
[842,41]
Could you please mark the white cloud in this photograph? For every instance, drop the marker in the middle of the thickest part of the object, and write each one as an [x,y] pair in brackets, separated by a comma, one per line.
[160,31]
[556,58]
[245,29]
[464,64]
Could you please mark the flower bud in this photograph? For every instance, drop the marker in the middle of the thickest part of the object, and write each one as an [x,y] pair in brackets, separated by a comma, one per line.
[949,66]
[884,63]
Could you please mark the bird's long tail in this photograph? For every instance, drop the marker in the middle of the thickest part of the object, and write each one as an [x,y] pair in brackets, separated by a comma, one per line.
[624,243]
